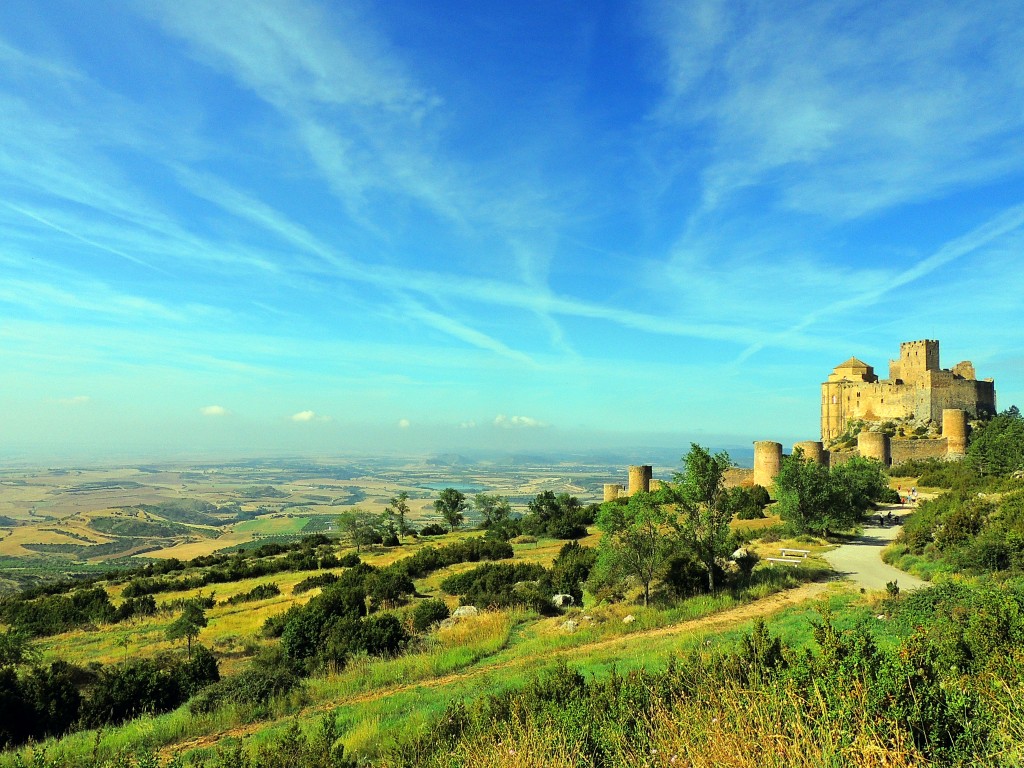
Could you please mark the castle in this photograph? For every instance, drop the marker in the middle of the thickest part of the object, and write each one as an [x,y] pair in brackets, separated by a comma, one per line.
[917,388]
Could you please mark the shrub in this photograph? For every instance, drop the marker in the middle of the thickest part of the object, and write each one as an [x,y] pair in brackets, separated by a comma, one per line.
[320,580]
[499,584]
[260,592]
[268,676]
[428,613]
[349,560]
[433,529]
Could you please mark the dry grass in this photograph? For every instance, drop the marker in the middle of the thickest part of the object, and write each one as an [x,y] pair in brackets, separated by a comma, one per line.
[730,728]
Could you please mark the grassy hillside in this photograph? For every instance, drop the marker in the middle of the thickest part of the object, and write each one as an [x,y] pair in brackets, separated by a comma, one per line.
[782,668]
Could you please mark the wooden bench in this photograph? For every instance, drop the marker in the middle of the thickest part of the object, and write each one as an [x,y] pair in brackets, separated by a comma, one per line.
[786,560]
[792,552]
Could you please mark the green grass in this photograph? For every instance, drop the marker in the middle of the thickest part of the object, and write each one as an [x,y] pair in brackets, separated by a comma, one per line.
[273,524]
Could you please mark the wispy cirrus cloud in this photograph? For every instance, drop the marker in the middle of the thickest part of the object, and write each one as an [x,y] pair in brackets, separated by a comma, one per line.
[841,109]
[342,87]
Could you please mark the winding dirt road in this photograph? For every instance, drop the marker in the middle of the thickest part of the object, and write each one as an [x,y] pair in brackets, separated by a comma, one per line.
[860,561]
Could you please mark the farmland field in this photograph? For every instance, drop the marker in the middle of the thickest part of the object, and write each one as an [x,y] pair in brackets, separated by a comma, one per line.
[78,519]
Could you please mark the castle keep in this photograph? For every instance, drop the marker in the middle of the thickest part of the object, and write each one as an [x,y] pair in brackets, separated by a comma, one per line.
[917,388]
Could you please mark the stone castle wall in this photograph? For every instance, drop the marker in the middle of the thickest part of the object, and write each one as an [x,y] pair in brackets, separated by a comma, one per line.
[905,450]
[917,388]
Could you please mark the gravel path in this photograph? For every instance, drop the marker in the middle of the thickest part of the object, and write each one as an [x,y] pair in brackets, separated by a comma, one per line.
[860,561]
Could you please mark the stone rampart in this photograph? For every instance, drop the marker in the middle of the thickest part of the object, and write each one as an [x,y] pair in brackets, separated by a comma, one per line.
[954,429]
[875,445]
[813,450]
[640,478]
[907,450]
[767,462]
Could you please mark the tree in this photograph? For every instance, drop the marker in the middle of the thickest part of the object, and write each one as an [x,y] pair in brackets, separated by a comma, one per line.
[637,541]
[997,447]
[188,624]
[16,648]
[703,506]
[493,509]
[813,499]
[361,527]
[388,586]
[451,504]
[399,508]
[865,480]
[561,516]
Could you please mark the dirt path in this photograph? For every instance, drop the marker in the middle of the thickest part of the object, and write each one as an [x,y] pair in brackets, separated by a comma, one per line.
[860,561]
[715,622]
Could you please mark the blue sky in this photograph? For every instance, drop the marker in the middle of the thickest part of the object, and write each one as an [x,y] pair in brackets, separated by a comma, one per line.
[277,227]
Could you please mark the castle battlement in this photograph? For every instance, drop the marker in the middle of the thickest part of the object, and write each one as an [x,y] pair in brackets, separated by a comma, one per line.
[917,388]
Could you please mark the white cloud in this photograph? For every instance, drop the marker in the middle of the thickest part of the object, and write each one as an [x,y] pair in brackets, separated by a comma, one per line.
[304,416]
[467,424]
[517,422]
[404,423]
[213,410]
[75,400]
[841,109]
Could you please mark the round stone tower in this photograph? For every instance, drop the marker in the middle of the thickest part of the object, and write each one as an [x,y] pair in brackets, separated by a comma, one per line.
[954,429]
[875,445]
[640,478]
[612,491]
[813,450]
[767,462]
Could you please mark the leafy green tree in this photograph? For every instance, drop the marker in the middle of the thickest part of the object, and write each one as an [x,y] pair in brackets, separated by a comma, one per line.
[702,503]
[399,508]
[747,503]
[16,648]
[997,447]
[864,478]
[493,509]
[361,527]
[188,624]
[388,586]
[638,540]
[451,505]
[561,516]
[813,499]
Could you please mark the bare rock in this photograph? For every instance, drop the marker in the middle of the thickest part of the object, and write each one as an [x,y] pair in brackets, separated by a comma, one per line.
[628,619]
[561,601]
[464,611]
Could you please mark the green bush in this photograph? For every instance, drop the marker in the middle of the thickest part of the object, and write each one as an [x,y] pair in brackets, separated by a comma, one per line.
[260,592]
[428,613]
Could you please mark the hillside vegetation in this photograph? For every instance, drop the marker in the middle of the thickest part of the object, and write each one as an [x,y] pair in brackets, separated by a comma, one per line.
[677,642]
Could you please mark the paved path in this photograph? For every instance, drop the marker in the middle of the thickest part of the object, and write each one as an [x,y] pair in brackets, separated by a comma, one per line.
[861,560]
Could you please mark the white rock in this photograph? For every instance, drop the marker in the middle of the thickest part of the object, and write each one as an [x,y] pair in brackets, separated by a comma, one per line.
[465,610]
[560,601]
[569,626]
[628,619]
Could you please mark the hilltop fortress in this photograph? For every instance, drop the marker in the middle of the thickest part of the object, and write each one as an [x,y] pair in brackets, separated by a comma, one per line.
[917,389]
[855,406]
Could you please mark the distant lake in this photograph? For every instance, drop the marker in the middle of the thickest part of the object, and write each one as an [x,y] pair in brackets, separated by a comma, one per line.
[465,488]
